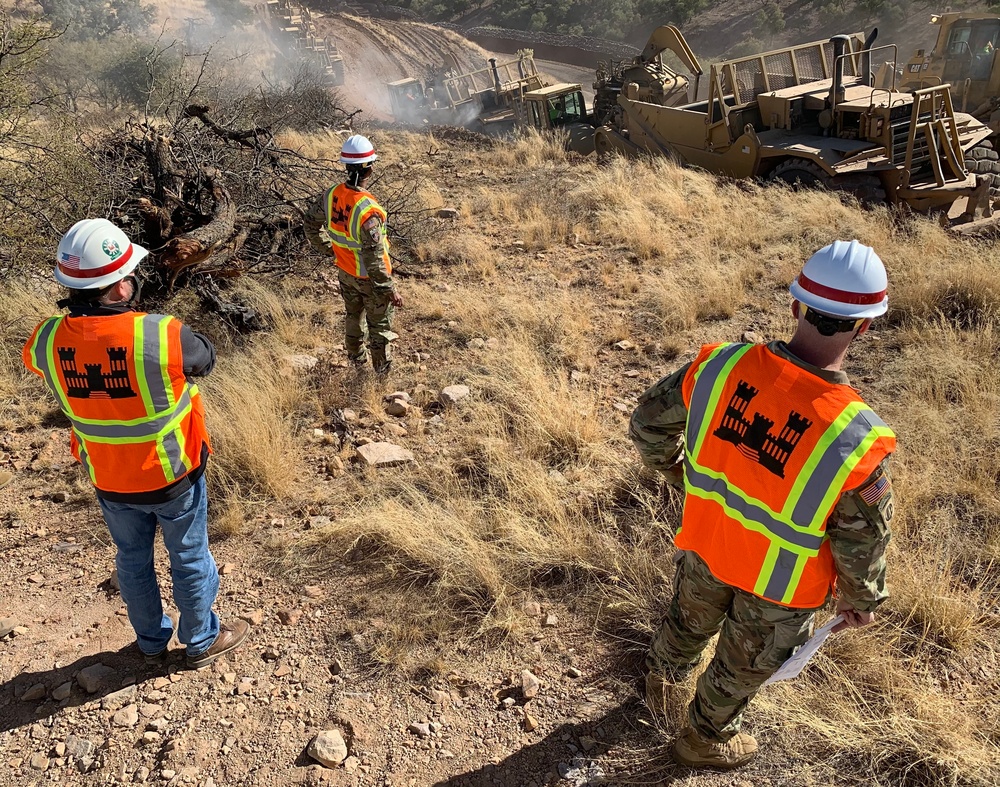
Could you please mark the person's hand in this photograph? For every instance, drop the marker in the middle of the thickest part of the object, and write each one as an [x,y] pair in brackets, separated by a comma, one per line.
[396,299]
[853,618]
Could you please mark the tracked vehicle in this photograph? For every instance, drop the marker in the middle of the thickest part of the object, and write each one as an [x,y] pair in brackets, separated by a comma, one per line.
[811,115]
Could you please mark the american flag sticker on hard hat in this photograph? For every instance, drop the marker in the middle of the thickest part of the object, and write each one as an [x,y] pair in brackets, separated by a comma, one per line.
[70,261]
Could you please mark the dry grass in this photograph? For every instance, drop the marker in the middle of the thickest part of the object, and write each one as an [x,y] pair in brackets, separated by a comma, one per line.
[534,485]
[21,309]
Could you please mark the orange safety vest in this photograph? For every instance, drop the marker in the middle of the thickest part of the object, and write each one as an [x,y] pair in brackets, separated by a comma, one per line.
[769,450]
[347,210]
[137,424]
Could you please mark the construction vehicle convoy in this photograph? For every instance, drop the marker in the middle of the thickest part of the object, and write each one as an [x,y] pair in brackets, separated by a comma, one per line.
[506,95]
[292,28]
[497,99]
[811,115]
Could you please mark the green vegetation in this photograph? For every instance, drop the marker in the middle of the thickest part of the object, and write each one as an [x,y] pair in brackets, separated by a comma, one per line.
[87,20]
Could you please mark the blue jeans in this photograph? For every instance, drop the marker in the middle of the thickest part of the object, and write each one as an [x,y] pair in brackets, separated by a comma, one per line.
[196,579]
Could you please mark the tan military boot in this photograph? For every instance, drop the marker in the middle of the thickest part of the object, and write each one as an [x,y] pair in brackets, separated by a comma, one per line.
[694,751]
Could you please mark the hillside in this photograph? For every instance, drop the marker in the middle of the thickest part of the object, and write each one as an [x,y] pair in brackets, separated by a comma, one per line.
[376,590]
[401,605]
[714,28]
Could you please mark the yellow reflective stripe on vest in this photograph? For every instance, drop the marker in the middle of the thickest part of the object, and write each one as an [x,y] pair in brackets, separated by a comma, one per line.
[41,351]
[81,449]
[165,412]
[798,531]
[340,239]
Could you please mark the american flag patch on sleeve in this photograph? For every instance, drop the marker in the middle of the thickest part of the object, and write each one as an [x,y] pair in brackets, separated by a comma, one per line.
[876,490]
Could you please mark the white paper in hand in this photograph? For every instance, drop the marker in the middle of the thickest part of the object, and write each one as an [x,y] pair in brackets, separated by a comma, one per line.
[794,666]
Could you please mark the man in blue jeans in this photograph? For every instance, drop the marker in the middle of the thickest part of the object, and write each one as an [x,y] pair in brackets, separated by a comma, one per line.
[121,376]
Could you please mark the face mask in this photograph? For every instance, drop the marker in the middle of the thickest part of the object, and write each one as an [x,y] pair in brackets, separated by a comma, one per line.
[133,300]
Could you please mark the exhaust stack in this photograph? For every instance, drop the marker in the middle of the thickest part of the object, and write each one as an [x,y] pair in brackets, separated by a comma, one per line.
[837,92]
[867,77]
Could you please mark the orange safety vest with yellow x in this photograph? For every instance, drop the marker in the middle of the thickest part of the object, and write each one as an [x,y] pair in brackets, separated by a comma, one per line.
[137,424]
[769,450]
[347,210]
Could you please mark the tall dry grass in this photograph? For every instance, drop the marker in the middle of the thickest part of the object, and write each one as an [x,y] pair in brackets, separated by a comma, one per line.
[22,307]
[533,487]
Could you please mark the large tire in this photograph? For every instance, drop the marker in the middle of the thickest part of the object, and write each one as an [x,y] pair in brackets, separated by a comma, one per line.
[801,173]
[984,160]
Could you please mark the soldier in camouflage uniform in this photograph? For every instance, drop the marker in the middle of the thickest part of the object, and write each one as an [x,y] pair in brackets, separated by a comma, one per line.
[763,622]
[347,222]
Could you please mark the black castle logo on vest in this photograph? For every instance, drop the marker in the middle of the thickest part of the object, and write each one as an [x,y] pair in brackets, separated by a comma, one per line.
[338,215]
[96,383]
[754,439]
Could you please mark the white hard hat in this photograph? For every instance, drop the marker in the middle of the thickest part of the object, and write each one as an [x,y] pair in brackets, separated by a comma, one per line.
[94,254]
[357,150]
[844,279]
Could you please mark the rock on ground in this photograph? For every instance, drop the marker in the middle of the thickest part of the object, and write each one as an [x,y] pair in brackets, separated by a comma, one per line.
[7,625]
[92,678]
[328,748]
[529,684]
[384,455]
[126,717]
[453,394]
[300,363]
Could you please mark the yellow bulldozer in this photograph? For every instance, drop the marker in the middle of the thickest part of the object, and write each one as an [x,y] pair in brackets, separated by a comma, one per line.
[497,99]
[655,82]
[810,115]
[965,56]
[293,29]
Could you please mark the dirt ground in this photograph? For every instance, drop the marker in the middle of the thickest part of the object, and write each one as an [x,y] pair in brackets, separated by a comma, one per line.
[309,663]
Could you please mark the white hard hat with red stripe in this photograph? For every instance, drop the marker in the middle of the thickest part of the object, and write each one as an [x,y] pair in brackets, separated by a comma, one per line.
[844,279]
[94,254]
[357,150]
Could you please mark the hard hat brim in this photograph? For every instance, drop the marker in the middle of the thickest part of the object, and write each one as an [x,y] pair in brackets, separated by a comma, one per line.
[139,253]
[366,160]
[846,311]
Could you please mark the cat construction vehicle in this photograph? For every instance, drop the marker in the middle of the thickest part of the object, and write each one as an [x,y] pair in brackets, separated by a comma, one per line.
[293,30]
[655,81]
[496,100]
[810,115]
[478,97]
[965,56]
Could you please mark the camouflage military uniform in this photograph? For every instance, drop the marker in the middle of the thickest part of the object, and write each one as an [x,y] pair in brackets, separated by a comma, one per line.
[367,301]
[757,636]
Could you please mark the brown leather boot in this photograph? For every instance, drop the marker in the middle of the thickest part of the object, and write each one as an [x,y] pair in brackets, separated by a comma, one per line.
[694,751]
[231,636]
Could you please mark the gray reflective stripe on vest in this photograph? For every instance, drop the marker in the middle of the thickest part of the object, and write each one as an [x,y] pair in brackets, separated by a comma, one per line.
[830,464]
[697,411]
[161,398]
[360,207]
[136,432]
[41,358]
[781,574]
[750,510]
[174,454]
[81,448]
